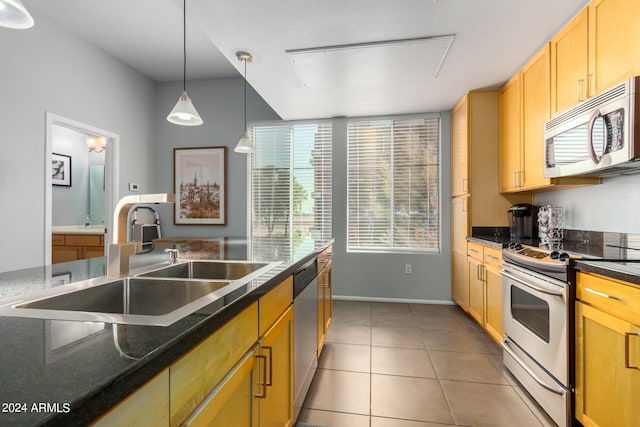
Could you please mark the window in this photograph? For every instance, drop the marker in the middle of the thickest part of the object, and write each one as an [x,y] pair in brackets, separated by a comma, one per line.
[290,187]
[393,188]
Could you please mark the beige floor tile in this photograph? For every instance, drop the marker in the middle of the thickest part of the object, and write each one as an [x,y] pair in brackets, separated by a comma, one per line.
[449,321]
[346,357]
[390,307]
[352,318]
[418,399]
[487,344]
[472,367]
[408,362]
[496,359]
[395,422]
[348,334]
[392,318]
[449,341]
[475,404]
[539,413]
[434,308]
[396,337]
[339,391]
[332,419]
[348,306]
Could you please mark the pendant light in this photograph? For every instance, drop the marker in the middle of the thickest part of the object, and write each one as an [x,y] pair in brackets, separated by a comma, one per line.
[245,145]
[14,15]
[184,113]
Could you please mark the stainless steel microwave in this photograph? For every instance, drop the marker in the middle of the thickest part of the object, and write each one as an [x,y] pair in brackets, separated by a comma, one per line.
[600,136]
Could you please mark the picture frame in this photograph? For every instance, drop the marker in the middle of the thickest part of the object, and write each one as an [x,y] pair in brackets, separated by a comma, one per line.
[60,170]
[200,185]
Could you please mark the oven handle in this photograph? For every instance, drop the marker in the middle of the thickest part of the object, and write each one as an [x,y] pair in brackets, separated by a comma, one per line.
[529,285]
[533,375]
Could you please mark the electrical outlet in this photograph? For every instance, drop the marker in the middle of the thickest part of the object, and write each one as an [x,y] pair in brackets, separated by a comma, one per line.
[133,187]
[407,268]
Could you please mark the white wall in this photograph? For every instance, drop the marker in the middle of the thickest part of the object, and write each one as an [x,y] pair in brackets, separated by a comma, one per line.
[220,104]
[611,206]
[48,69]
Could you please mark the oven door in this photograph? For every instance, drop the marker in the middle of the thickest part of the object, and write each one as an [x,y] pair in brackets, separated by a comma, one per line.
[535,317]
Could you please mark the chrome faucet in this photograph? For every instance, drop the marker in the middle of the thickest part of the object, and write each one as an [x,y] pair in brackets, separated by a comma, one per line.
[120,251]
[173,255]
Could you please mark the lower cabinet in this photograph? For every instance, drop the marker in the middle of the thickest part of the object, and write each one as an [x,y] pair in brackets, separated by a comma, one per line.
[275,388]
[607,352]
[148,406]
[237,376]
[72,247]
[325,303]
[485,288]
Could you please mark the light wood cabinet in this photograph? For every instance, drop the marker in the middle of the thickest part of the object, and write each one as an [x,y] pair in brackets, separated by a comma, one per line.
[570,64]
[233,402]
[460,230]
[276,405]
[475,175]
[325,295]
[485,288]
[614,42]
[148,406]
[196,373]
[72,247]
[476,288]
[510,140]
[607,351]
[524,109]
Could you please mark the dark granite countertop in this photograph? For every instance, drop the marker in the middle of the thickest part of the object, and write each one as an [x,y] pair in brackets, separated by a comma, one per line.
[615,255]
[76,368]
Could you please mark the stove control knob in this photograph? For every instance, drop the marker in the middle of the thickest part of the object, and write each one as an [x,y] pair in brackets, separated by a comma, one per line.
[563,256]
[554,255]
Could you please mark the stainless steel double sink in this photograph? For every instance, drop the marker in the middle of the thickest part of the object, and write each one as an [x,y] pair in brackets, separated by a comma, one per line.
[158,297]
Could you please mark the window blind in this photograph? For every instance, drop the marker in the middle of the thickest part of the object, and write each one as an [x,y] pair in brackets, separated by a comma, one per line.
[393,188]
[290,188]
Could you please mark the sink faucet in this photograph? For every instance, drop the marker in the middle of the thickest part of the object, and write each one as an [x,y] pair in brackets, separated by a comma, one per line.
[173,255]
[120,251]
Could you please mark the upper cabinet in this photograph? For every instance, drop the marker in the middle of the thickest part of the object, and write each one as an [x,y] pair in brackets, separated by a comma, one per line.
[614,42]
[570,64]
[596,50]
[459,149]
[510,141]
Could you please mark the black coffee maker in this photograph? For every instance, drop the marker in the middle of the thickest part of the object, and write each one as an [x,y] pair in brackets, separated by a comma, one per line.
[523,221]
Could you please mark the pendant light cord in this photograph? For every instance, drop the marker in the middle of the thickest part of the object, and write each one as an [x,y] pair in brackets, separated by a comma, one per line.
[245,94]
[184,45]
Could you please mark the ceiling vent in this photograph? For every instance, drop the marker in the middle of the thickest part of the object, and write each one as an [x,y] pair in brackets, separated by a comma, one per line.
[371,64]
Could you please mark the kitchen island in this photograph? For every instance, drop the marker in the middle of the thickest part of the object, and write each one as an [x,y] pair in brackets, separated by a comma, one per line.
[58,372]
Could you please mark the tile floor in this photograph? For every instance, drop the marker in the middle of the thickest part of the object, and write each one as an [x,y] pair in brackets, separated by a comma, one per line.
[413,365]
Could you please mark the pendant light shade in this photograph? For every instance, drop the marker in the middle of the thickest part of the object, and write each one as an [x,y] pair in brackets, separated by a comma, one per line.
[14,15]
[245,145]
[184,113]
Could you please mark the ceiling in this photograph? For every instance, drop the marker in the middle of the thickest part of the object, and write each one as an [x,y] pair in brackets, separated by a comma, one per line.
[493,39]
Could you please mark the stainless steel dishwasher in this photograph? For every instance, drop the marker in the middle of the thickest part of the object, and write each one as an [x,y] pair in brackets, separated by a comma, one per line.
[305,325]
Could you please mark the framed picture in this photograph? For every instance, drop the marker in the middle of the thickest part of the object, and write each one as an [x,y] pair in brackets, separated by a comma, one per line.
[61,170]
[200,185]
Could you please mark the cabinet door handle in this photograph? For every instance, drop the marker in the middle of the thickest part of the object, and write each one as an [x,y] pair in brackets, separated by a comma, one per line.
[263,383]
[589,85]
[464,205]
[602,294]
[269,381]
[580,89]
[515,179]
[465,185]
[627,335]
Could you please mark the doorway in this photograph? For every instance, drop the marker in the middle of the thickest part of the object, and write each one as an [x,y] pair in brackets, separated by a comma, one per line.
[93,195]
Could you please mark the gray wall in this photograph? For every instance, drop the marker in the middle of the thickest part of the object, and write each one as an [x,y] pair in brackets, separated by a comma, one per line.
[220,104]
[611,206]
[382,276]
[48,69]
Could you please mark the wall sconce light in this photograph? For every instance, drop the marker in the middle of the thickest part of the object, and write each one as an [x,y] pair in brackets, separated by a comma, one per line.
[96,144]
